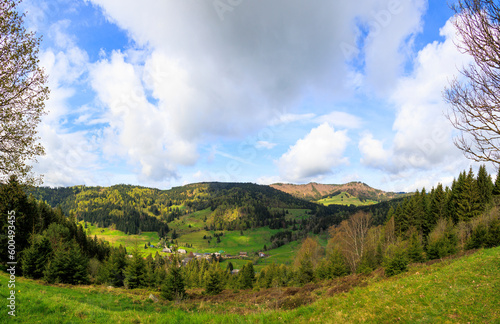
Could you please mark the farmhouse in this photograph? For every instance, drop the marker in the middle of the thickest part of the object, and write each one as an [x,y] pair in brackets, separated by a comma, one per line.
[167,250]
[182,251]
[263,255]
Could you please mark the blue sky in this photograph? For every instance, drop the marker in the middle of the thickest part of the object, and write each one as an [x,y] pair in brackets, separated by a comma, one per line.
[165,93]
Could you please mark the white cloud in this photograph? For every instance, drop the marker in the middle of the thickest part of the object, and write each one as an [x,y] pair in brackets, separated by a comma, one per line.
[138,129]
[423,135]
[265,144]
[373,151]
[393,25]
[340,119]
[314,155]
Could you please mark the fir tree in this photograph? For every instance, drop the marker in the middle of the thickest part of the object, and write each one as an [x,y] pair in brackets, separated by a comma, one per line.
[496,186]
[173,286]
[214,283]
[246,276]
[134,271]
[468,198]
[484,187]
[35,258]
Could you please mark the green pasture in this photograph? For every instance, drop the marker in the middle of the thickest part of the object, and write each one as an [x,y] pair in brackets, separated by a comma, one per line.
[345,198]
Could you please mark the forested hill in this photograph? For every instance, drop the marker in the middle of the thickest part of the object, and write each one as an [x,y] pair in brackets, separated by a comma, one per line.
[133,208]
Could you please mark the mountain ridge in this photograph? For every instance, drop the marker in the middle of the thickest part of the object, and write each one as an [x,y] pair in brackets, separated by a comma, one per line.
[317,191]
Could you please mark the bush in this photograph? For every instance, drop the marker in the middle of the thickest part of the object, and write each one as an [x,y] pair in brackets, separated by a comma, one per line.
[397,264]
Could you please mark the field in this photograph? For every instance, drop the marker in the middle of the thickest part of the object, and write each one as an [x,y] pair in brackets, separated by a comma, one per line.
[345,198]
[461,290]
[190,229]
[117,238]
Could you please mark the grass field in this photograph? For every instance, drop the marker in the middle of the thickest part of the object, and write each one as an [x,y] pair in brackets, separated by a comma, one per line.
[345,198]
[232,242]
[117,238]
[453,291]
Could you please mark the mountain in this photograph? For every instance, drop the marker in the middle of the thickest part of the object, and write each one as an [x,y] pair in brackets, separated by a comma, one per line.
[315,191]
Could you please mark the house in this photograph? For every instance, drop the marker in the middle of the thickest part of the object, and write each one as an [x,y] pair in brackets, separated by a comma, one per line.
[197,255]
[243,254]
[186,261]
[263,255]
[182,251]
[235,271]
[167,250]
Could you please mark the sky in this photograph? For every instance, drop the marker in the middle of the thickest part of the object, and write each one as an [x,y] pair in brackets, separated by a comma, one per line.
[166,93]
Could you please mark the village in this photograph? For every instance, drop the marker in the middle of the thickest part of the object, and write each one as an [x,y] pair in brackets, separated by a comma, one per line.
[186,257]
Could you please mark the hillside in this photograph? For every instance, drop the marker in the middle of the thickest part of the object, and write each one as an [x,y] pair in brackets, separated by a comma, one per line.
[316,191]
[460,290]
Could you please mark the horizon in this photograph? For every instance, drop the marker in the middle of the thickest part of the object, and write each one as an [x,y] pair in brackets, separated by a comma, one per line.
[247,92]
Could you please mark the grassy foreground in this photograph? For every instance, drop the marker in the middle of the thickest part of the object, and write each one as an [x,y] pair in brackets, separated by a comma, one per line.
[452,291]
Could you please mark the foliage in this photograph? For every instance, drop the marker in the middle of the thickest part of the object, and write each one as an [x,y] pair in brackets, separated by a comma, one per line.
[173,286]
[396,264]
[23,95]
[135,270]
[214,279]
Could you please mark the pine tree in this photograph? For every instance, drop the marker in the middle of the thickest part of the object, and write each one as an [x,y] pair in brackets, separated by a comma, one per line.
[116,264]
[437,209]
[134,271]
[468,198]
[35,258]
[484,187]
[415,249]
[173,287]
[68,265]
[496,187]
[214,281]
[246,276]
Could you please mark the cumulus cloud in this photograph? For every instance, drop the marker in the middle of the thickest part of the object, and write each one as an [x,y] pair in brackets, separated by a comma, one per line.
[422,140]
[314,155]
[137,129]
[221,78]
[392,26]
[373,151]
[72,156]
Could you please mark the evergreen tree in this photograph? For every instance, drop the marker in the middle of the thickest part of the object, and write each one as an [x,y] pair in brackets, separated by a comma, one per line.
[496,186]
[397,264]
[173,286]
[468,198]
[415,249]
[35,258]
[15,204]
[246,276]
[437,209]
[484,187]
[68,265]
[135,270]
[214,280]
[116,264]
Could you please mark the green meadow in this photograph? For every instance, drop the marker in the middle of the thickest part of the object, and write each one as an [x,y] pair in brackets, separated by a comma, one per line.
[345,198]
